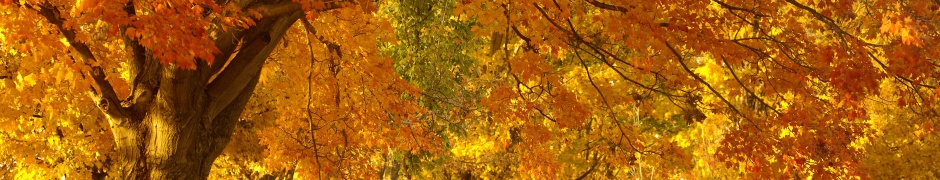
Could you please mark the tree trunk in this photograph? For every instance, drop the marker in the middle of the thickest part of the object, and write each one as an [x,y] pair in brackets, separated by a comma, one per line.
[177,121]
[175,140]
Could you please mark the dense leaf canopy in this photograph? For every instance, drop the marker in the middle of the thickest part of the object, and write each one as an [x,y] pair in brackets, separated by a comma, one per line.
[442,89]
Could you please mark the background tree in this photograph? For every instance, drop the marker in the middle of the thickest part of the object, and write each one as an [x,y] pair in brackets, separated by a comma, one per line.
[786,78]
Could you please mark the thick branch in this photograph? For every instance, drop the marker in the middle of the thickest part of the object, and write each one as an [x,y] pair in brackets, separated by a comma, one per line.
[279,9]
[103,93]
[260,41]
[145,72]
[224,124]
[139,53]
[289,7]
[228,41]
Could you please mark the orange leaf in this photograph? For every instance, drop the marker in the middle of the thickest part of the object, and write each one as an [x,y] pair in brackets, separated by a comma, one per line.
[131,32]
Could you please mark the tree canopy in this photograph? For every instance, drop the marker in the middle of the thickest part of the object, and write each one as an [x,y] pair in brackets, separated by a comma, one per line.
[469,89]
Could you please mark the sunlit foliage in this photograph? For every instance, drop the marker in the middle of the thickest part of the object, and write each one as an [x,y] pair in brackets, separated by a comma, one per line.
[491,89]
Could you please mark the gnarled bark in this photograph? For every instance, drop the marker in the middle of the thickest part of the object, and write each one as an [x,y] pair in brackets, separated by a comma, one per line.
[175,122]
[191,119]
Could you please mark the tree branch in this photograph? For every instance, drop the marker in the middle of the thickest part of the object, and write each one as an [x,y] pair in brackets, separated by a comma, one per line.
[745,87]
[829,22]
[224,124]
[590,170]
[730,7]
[607,6]
[227,42]
[259,42]
[312,31]
[230,42]
[596,88]
[528,41]
[102,92]
[603,53]
[313,59]
[699,79]
[279,9]
[333,47]
[289,7]
[145,72]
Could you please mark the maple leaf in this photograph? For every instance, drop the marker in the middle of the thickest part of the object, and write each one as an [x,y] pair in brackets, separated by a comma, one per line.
[481,89]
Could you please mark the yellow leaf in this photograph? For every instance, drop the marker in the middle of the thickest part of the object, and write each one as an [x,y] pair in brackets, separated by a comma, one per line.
[69,75]
[265,72]
[30,79]
[19,78]
[59,74]
[65,42]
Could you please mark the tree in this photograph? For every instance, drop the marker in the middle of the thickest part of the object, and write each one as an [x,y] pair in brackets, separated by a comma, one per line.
[171,77]
[480,88]
[786,78]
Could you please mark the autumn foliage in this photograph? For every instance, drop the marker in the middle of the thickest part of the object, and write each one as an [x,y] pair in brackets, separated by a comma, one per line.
[491,89]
